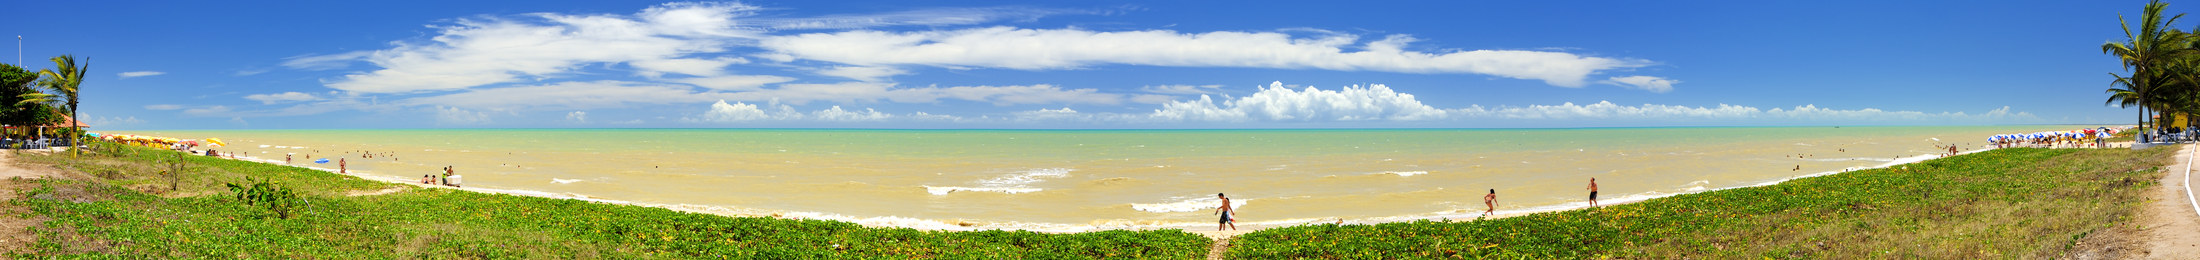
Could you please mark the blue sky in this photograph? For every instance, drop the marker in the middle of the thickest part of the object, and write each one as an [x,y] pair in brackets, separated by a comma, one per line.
[1079,64]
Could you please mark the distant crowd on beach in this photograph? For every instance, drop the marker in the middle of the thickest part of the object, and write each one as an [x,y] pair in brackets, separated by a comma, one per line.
[2085,138]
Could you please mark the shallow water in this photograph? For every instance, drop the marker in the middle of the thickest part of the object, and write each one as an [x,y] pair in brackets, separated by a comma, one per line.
[1073,180]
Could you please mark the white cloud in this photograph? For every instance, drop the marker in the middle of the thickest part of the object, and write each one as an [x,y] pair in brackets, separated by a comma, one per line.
[849,92]
[1038,49]
[563,96]
[735,82]
[1606,110]
[723,112]
[836,114]
[1279,103]
[1048,114]
[1182,89]
[1648,83]
[862,73]
[456,116]
[324,62]
[163,107]
[577,116]
[208,111]
[111,122]
[697,67]
[475,52]
[284,97]
[923,17]
[736,112]
[134,74]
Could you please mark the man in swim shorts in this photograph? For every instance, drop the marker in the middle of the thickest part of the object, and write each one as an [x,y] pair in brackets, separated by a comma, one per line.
[1228,214]
[1592,191]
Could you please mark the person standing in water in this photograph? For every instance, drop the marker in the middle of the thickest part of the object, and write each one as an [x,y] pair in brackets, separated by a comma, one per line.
[1490,200]
[1592,191]
[1228,214]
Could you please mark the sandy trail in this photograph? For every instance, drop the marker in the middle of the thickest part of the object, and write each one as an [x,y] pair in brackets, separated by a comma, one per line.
[15,232]
[2171,228]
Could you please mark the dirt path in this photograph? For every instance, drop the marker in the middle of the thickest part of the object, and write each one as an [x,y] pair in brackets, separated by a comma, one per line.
[2171,230]
[15,233]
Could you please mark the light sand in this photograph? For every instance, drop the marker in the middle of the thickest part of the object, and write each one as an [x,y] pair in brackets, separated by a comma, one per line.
[2171,228]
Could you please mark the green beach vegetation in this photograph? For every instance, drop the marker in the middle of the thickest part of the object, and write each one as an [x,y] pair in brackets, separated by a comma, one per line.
[2005,203]
[123,207]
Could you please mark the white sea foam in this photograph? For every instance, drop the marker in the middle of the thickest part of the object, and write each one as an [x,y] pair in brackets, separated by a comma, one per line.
[952,189]
[563,181]
[263,146]
[1400,173]
[1187,204]
[1011,183]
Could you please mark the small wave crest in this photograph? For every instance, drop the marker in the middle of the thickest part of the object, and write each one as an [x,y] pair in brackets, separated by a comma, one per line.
[1012,183]
[563,181]
[1187,205]
[1401,173]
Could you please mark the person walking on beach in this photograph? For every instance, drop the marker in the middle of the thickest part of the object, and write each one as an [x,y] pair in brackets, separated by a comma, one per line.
[286,159]
[1592,191]
[1228,214]
[342,167]
[446,175]
[1490,200]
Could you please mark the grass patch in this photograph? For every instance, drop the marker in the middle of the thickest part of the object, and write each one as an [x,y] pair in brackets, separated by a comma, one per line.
[201,219]
[2005,203]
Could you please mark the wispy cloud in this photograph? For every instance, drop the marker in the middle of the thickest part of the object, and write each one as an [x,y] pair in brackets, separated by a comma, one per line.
[1046,49]
[285,97]
[134,74]
[1646,83]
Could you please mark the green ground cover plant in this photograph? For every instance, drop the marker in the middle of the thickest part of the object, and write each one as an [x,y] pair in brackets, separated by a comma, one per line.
[107,217]
[2005,203]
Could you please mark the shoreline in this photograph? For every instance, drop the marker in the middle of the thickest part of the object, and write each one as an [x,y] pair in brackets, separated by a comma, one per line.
[1060,228]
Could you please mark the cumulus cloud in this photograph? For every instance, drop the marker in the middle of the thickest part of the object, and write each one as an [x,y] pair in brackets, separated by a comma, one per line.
[134,74]
[1048,114]
[285,97]
[1279,103]
[577,117]
[163,107]
[736,112]
[1040,49]
[836,114]
[1648,83]
[723,112]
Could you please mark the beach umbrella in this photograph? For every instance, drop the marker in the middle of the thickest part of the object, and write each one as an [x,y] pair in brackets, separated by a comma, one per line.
[217,142]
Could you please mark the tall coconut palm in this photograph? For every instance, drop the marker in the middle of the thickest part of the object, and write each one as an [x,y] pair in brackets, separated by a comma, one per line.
[63,87]
[2152,45]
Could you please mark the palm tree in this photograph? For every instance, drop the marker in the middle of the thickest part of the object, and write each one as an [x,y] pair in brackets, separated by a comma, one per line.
[2152,45]
[63,84]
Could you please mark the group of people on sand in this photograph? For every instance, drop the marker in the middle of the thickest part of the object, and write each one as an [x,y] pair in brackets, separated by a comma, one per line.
[1229,214]
[450,178]
[2089,137]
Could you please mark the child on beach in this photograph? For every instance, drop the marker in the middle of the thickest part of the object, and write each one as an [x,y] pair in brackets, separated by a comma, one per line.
[1227,213]
[1490,200]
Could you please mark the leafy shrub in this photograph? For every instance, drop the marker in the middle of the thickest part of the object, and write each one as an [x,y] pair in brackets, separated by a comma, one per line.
[272,196]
